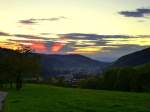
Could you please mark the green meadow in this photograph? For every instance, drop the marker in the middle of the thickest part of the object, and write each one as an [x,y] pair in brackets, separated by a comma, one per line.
[45,98]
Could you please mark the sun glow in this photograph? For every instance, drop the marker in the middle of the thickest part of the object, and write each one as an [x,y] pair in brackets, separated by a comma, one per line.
[86,50]
[13,46]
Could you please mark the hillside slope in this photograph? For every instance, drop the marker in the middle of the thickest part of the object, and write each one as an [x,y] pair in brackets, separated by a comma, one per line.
[134,59]
[73,63]
[46,98]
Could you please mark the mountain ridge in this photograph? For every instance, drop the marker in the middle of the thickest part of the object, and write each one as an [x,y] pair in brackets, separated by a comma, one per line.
[134,59]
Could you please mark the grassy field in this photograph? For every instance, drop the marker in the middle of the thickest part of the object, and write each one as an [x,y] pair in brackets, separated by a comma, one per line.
[44,98]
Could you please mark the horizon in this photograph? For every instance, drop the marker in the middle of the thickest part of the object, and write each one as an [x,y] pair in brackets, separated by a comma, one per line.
[76,27]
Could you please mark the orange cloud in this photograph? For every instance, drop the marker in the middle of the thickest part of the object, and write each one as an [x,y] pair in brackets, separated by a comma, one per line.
[38,47]
[56,47]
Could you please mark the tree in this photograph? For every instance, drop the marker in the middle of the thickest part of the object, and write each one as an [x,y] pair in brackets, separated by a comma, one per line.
[17,65]
[27,66]
[91,83]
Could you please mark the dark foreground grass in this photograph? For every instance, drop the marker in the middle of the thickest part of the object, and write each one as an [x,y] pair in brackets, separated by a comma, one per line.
[44,98]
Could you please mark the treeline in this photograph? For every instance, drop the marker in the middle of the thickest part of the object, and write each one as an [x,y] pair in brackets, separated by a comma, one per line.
[16,66]
[123,79]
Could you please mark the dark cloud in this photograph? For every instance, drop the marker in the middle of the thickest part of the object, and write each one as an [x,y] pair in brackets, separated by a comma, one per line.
[29,36]
[52,19]
[35,21]
[81,36]
[144,11]
[99,40]
[20,41]
[90,36]
[4,34]
[45,33]
[141,12]
[28,22]
[131,14]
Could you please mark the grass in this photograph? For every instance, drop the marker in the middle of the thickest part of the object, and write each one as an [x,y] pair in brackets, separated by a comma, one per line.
[44,98]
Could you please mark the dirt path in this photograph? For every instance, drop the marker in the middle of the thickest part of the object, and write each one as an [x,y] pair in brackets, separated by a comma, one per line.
[2,98]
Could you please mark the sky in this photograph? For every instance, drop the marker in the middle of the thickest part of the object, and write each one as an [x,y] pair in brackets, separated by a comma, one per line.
[101,29]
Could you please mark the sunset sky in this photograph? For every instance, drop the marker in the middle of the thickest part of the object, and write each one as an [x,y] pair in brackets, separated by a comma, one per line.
[101,29]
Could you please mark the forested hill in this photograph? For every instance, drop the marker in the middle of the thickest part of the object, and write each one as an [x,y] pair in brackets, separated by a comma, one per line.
[134,59]
[73,63]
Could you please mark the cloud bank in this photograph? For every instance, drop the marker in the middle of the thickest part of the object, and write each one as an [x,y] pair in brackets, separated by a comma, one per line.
[100,47]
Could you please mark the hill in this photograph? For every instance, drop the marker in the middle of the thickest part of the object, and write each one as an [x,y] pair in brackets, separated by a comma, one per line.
[70,64]
[64,65]
[46,98]
[134,59]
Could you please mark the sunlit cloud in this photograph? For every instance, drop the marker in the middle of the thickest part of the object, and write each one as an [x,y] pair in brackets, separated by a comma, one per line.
[143,41]
[4,39]
[55,36]
[92,45]
[38,47]
[10,45]
[56,47]
[86,50]
[92,49]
